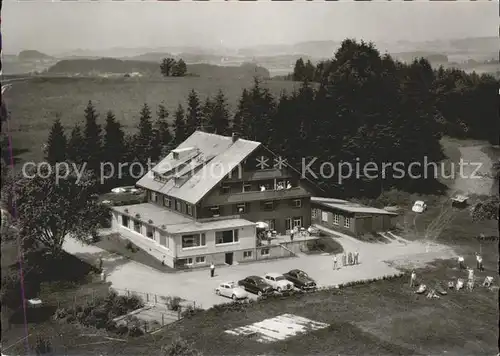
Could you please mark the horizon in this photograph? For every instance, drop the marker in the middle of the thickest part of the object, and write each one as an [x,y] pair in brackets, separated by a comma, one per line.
[65,27]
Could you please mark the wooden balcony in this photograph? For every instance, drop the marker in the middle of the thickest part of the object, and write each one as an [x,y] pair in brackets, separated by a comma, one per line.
[235,198]
[250,176]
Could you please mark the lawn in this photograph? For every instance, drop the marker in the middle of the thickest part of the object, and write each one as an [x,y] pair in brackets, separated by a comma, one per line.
[35,103]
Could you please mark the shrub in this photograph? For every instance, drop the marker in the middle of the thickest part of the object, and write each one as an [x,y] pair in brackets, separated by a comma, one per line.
[60,313]
[179,347]
[42,346]
[174,303]
[190,311]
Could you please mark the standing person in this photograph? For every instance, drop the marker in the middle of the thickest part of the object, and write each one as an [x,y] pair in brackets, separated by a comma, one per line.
[212,270]
[335,262]
[480,263]
[356,258]
[461,263]
[349,258]
[291,236]
[413,279]
[344,259]
[471,274]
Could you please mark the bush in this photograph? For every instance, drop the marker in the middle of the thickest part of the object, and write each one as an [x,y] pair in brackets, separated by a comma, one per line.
[174,303]
[190,311]
[60,313]
[179,347]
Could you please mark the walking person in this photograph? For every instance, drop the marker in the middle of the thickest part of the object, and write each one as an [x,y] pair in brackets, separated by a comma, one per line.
[212,270]
[335,262]
[413,279]
[291,236]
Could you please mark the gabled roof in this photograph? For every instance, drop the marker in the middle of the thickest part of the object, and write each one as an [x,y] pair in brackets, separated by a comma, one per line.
[348,206]
[203,160]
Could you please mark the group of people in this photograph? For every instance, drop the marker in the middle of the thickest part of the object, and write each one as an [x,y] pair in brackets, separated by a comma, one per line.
[348,259]
[479,263]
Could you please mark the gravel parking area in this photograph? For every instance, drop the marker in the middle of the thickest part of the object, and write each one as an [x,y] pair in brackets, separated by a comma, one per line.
[376,260]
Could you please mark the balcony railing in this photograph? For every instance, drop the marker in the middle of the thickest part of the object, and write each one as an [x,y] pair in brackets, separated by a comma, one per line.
[257,175]
[235,198]
[217,218]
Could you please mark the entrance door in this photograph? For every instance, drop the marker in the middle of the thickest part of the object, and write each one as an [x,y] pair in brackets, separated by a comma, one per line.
[229,258]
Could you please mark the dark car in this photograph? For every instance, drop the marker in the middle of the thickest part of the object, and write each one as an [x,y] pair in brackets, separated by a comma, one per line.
[300,279]
[256,285]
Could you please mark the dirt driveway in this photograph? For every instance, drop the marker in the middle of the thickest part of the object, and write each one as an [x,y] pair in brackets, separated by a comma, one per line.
[199,287]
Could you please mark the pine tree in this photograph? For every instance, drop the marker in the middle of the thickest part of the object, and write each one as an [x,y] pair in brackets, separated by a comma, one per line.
[219,116]
[76,145]
[179,126]
[163,137]
[114,142]
[56,144]
[243,115]
[92,151]
[194,113]
[145,139]
[206,113]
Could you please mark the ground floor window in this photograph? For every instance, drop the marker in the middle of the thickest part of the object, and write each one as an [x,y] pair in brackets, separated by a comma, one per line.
[167,202]
[164,240]
[347,222]
[247,254]
[150,231]
[324,216]
[271,224]
[297,221]
[137,226]
[201,259]
[264,252]
[226,237]
[336,219]
[125,220]
[195,240]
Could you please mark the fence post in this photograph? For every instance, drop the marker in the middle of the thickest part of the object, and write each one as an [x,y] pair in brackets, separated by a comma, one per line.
[162,319]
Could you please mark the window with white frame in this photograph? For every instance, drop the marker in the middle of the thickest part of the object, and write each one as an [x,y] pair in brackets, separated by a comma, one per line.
[125,220]
[226,237]
[314,213]
[215,211]
[200,259]
[347,222]
[150,231]
[241,208]
[264,252]
[336,219]
[324,216]
[167,202]
[195,240]
[189,261]
[178,205]
[288,223]
[154,197]
[190,209]
[297,221]
[297,203]
[137,226]
[247,254]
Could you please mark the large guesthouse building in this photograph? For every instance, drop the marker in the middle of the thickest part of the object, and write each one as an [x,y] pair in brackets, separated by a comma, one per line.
[205,198]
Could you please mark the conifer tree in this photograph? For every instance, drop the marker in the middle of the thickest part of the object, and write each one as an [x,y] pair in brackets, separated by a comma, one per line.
[218,120]
[114,142]
[145,140]
[92,150]
[163,136]
[179,126]
[56,148]
[76,144]
[193,113]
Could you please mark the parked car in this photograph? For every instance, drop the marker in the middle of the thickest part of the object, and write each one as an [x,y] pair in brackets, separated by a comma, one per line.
[313,230]
[231,290]
[419,206]
[256,285]
[278,282]
[300,279]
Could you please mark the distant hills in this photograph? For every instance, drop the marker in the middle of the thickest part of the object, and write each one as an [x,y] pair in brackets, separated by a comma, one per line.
[118,66]
[32,55]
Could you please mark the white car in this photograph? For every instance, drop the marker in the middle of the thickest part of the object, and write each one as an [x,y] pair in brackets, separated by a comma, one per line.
[278,282]
[231,290]
[419,206]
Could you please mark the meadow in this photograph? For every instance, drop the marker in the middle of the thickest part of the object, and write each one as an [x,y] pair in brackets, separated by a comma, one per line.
[36,102]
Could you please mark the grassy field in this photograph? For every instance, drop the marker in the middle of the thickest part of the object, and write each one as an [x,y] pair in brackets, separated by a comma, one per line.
[35,103]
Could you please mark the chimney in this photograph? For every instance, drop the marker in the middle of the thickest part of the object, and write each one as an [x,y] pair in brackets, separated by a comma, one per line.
[234,137]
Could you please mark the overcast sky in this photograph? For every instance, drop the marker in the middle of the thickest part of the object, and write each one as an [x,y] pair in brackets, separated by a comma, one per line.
[56,27]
